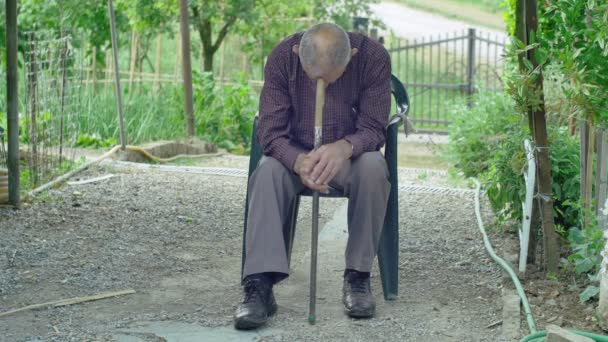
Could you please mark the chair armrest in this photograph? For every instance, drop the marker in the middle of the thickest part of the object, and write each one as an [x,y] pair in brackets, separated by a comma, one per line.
[400,117]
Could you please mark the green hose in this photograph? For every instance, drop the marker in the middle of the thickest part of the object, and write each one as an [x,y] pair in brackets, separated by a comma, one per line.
[540,336]
[535,336]
[503,264]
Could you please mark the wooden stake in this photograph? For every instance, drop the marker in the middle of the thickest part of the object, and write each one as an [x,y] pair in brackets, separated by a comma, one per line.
[94,71]
[12,99]
[602,178]
[159,44]
[70,301]
[132,60]
[588,194]
[178,55]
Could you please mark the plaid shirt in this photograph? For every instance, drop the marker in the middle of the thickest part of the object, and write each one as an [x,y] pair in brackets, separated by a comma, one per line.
[356,105]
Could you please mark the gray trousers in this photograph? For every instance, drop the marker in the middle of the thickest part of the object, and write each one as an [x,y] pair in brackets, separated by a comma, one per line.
[273,188]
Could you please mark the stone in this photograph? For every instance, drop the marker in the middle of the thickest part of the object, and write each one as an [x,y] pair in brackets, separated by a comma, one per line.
[557,334]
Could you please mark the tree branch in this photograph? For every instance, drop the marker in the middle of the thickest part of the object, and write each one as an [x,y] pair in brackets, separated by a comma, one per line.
[223,33]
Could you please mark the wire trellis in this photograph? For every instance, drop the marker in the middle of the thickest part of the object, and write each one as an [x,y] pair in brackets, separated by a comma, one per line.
[53,94]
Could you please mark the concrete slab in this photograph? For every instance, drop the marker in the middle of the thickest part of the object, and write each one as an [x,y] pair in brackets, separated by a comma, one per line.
[510,315]
[293,294]
[557,334]
[183,332]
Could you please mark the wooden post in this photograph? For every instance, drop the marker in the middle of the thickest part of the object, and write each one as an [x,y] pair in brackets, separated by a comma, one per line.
[536,221]
[12,95]
[178,55]
[584,126]
[133,58]
[471,66]
[588,194]
[159,44]
[94,78]
[109,63]
[187,67]
[118,89]
[64,56]
[551,251]
[32,100]
[602,178]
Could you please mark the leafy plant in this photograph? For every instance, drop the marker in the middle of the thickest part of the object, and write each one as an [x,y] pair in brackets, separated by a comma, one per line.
[476,132]
[224,113]
[94,140]
[587,245]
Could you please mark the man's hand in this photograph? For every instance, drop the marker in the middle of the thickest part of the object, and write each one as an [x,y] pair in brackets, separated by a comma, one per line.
[329,160]
[303,166]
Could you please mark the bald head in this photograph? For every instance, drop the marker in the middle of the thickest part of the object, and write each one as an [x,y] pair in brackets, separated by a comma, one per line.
[324,51]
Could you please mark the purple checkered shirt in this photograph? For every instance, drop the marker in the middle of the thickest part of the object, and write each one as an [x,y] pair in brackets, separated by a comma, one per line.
[356,105]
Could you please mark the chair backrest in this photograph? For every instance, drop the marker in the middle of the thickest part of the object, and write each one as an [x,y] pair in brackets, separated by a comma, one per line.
[400,94]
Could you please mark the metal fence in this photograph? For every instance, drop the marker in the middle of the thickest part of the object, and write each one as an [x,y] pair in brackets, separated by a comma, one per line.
[53,84]
[438,71]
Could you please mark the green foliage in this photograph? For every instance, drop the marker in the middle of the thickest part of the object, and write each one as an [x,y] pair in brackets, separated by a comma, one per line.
[576,35]
[147,117]
[94,140]
[587,244]
[486,141]
[476,132]
[342,11]
[508,7]
[224,113]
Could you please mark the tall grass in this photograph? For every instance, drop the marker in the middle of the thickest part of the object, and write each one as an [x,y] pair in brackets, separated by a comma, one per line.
[147,116]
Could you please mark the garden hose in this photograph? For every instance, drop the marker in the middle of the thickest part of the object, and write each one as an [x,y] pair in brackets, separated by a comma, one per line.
[540,336]
[535,336]
[106,155]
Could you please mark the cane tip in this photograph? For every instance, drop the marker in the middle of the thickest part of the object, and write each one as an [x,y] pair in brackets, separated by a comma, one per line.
[312,319]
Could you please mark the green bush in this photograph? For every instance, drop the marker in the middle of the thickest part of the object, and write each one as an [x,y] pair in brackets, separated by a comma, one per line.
[486,141]
[224,113]
[476,132]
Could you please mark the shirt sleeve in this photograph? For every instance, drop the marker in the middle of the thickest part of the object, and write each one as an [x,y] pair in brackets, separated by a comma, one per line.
[275,111]
[374,105]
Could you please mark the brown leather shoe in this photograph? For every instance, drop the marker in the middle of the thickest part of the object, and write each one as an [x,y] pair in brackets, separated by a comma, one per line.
[256,306]
[357,295]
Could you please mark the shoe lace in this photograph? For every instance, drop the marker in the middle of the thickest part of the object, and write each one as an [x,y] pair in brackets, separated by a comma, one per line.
[253,291]
[359,284]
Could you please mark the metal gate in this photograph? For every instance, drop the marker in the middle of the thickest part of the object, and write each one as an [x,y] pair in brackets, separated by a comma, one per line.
[439,71]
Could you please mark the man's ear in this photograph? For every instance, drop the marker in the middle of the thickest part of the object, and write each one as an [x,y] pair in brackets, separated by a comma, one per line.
[296,49]
[353,52]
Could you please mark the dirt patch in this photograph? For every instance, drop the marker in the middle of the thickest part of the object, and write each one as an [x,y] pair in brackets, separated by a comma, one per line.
[176,239]
[554,300]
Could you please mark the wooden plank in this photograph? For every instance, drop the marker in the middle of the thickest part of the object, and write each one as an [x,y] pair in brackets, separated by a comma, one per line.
[584,127]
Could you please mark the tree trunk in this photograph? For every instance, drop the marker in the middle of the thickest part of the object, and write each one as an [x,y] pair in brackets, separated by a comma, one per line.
[205,31]
[208,60]
[187,68]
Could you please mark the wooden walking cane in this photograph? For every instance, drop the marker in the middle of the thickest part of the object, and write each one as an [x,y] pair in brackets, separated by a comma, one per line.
[319,103]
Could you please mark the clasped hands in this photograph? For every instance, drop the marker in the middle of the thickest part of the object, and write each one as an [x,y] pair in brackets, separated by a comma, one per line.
[318,167]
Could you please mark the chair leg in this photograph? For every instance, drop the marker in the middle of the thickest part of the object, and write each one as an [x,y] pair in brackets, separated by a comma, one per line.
[291,228]
[243,251]
[388,251]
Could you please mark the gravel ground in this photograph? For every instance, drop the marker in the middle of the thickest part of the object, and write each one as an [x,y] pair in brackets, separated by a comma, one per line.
[176,239]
